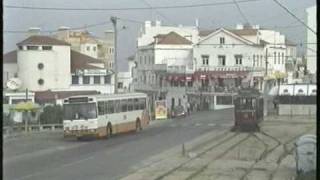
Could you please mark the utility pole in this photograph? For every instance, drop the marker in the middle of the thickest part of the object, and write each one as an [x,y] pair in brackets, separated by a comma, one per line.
[266,73]
[115,67]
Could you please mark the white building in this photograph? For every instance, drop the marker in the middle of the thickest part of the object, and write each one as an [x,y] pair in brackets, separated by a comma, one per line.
[44,63]
[312,41]
[166,56]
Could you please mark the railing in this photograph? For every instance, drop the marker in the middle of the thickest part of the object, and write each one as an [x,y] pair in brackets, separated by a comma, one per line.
[32,128]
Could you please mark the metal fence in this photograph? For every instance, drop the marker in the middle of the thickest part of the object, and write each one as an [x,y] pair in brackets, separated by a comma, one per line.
[32,128]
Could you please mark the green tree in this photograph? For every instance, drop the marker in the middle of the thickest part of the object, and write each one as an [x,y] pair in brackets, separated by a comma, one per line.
[51,115]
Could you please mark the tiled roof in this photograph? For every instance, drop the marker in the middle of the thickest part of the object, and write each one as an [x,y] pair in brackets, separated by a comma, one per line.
[172,38]
[244,32]
[42,97]
[288,42]
[262,42]
[43,40]
[203,33]
[82,61]
[10,57]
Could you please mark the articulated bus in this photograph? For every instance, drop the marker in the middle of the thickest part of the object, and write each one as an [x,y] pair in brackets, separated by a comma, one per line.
[105,114]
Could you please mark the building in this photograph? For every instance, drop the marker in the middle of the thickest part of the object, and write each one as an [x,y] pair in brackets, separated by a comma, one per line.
[312,42]
[44,63]
[86,43]
[159,66]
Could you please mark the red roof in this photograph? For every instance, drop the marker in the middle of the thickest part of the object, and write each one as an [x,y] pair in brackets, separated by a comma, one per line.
[10,57]
[171,38]
[43,40]
[82,61]
[42,97]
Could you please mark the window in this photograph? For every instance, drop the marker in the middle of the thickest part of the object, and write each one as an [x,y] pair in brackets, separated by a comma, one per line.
[20,47]
[32,47]
[258,62]
[120,85]
[130,104]
[94,48]
[282,58]
[136,104]
[101,107]
[261,64]
[190,83]
[88,48]
[75,79]
[40,66]
[275,56]
[86,79]
[238,59]
[205,59]
[117,106]
[107,79]
[96,80]
[46,48]
[278,57]
[110,107]
[222,60]
[221,40]
[123,105]
[142,103]
[145,59]
[225,100]
[40,81]
[140,60]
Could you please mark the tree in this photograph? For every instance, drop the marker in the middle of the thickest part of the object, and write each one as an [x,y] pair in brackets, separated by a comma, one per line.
[52,115]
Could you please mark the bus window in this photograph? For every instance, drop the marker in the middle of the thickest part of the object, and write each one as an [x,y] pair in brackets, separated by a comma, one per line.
[142,103]
[101,108]
[130,104]
[105,107]
[110,107]
[117,107]
[80,111]
[136,104]
[123,105]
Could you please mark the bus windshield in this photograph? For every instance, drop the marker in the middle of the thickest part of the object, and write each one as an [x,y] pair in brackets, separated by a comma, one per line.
[79,111]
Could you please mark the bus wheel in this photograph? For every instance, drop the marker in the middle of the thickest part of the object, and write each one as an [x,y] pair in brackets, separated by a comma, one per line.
[109,130]
[138,125]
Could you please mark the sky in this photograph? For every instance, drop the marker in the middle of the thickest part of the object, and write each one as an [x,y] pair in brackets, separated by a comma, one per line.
[265,13]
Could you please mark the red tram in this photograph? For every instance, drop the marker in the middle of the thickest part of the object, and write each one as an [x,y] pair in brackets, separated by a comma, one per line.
[248,110]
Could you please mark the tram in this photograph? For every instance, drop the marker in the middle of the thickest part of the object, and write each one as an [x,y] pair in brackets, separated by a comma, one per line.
[248,110]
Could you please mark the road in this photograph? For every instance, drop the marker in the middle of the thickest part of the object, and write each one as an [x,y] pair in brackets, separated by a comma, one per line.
[49,156]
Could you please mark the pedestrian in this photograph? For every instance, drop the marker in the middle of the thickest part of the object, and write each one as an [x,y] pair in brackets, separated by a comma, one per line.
[188,108]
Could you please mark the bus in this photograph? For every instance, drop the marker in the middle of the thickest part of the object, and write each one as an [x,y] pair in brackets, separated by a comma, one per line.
[104,115]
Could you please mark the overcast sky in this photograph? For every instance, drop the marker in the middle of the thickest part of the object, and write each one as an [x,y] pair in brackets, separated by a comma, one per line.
[265,13]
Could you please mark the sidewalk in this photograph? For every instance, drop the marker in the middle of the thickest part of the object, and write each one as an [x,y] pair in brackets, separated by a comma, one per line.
[225,155]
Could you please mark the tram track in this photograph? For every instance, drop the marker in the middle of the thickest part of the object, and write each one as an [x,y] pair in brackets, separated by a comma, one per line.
[224,141]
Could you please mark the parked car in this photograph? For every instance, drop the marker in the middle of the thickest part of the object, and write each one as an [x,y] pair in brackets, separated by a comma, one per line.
[178,111]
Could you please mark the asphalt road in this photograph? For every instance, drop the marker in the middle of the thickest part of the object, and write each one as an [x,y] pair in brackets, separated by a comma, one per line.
[49,156]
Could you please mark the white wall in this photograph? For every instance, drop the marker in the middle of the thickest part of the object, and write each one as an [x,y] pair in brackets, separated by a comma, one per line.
[9,71]
[312,38]
[149,31]
[56,71]
[91,52]
[229,51]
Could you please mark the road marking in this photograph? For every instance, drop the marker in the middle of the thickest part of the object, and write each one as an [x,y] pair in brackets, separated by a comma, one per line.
[211,124]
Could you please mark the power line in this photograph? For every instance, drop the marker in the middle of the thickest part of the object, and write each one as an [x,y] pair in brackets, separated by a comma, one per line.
[241,13]
[158,12]
[286,9]
[125,9]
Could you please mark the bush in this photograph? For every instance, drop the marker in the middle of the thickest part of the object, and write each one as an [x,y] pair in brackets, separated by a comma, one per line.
[52,115]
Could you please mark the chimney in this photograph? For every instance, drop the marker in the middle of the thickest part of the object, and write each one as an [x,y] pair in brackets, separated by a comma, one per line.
[158,23]
[109,34]
[197,23]
[147,24]
[239,26]
[33,31]
[63,33]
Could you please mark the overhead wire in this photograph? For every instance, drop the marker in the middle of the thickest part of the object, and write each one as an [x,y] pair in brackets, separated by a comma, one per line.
[127,8]
[240,11]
